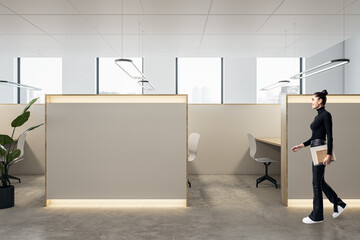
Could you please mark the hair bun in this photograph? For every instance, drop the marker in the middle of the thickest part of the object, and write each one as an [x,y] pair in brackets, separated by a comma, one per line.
[324,92]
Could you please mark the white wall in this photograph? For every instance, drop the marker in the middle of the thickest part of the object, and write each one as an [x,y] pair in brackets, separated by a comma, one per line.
[8,94]
[331,80]
[240,80]
[352,70]
[224,146]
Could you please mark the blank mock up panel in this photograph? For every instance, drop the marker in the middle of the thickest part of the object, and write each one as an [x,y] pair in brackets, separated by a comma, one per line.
[342,175]
[117,150]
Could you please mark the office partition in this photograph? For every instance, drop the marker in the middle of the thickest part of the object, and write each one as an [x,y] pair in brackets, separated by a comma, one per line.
[296,170]
[116,150]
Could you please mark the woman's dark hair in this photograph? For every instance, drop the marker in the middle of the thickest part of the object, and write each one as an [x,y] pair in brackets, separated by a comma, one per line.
[322,95]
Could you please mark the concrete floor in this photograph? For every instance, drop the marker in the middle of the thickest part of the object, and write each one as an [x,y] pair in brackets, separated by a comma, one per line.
[221,207]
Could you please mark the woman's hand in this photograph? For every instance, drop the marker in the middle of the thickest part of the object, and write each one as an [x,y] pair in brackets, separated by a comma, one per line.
[327,160]
[297,147]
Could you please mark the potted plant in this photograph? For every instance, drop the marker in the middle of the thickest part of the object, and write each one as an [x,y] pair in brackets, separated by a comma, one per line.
[8,153]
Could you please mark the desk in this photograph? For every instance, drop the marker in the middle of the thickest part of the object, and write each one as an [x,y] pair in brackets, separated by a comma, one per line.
[272,141]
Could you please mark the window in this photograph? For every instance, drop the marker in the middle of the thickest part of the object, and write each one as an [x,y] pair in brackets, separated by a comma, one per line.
[200,78]
[43,73]
[272,70]
[113,80]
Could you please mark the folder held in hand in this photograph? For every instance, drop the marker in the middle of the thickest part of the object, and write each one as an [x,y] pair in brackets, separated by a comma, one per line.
[319,153]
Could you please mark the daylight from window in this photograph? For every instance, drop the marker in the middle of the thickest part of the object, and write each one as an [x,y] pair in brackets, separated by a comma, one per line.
[200,78]
[43,73]
[272,70]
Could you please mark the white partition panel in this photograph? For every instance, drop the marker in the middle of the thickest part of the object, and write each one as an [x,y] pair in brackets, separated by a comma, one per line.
[116,148]
[342,175]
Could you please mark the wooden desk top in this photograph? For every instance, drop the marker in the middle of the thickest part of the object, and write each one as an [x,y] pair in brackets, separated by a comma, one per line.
[272,141]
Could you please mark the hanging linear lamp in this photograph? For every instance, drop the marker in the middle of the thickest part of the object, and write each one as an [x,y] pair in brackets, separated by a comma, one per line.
[275,85]
[146,85]
[14,84]
[128,66]
[321,68]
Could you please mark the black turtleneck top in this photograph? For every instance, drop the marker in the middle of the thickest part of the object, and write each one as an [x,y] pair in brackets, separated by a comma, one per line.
[322,126]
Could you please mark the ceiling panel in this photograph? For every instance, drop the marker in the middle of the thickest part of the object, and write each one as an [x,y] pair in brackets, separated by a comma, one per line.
[112,24]
[12,24]
[7,41]
[82,41]
[107,6]
[311,6]
[278,24]
[334,25]
[232,24]
[155,41]
[17,51]
[40,6]
[237,52]
[317,41]
[244,6]
[176,6]
[61,24]
[352,25]
[173,24]
[172,41]
[353,8]
[4,10]
[35,41]
[244,41]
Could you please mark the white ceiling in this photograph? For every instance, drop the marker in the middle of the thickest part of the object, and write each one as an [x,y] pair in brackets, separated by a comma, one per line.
[245,28]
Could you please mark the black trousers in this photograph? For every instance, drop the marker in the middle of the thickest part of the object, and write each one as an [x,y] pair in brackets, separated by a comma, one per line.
[320,186]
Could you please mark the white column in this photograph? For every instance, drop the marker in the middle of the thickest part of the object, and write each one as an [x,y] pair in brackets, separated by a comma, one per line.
[239,80]
[331,80]
[79,74]
[160,71]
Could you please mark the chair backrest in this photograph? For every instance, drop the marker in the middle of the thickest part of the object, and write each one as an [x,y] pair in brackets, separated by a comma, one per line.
[193,146]
[252,144]
[21,144]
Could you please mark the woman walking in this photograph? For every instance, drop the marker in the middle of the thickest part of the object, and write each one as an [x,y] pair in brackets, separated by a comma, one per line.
[321,127]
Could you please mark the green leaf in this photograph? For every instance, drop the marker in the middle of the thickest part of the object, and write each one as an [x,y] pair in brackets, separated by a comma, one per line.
[16,153]
[21,119]
[3,150]
[32,128]
[29,104]
[13,155]
[5,139]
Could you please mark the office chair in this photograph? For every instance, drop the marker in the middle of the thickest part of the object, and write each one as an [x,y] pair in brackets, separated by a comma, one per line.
[21,146]
[265,161]
[193,148]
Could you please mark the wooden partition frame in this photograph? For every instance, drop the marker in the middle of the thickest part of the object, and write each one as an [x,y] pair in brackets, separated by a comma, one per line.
[156,178]
[296,117]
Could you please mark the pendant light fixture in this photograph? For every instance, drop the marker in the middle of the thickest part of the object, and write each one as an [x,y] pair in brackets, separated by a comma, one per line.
[146,85]
[127,65]
[14,84]
[275,85]
[329,64]
[279,83]
[321,68]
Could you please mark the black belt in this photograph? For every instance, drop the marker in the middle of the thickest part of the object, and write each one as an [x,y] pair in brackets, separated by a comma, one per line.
[317,142]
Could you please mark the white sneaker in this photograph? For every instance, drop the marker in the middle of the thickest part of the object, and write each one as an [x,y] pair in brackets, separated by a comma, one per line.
[340,210]
[307,220]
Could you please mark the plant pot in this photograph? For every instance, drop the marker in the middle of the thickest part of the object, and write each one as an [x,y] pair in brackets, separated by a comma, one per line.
[7,197]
